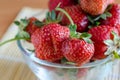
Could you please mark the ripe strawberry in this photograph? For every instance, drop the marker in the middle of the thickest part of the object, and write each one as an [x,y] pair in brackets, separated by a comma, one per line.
[52,4]
[31,28]
[115,19]
[48,41]
[100,49]
[77,51]
[99,35]
[36,38]
[78,17]
[95,7]
[118,28]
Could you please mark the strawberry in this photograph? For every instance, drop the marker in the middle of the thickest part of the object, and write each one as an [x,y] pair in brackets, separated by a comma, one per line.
[52,4]
[118,28]
[31,28]
[49,41]
[77,51]
[100,49]
[99,35]
[95,7]
[78,17]
[35,38]
[115,18]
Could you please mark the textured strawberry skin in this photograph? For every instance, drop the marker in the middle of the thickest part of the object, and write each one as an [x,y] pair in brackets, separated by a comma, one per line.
[49,42]
[118,28]
[100,48]
[31,28]
[99,35]
[115,19]
[77,51]
[95,7]
[35,38]
[52,4]
[78,17]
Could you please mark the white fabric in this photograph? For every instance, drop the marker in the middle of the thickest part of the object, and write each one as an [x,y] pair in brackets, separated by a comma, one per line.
[12,65]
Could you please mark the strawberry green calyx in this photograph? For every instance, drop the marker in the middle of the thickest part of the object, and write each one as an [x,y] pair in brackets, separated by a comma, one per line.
[52,17]
[22,34]
[73,33]
[65,61]
[95,20]
[38,23]
[22,24]
[113,46]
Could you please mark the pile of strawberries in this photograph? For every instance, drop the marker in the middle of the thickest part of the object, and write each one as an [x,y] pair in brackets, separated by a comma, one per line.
[79,36]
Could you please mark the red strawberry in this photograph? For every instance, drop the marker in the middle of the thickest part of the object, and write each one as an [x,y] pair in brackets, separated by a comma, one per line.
[31,28]
[52,4]
[78,17]
[95,7]
[115,19]
[49,40]
[99,35]
[35,38]
[118,28]
[100,49]
[77,51]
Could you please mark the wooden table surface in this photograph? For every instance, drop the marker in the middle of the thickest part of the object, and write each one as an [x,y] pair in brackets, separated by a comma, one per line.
[9,10]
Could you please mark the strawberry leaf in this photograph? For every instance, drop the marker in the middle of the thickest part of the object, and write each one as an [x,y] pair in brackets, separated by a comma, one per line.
[90,19]
[109,42]
[103,16]
[108,14]
[113,46]
[65,61]
[52,17]
[109,51]
[23,34]
[87,40]
[86,36]
[116,55]
[59,17]
[94,20]
[17,23]
[116,38]
[38,23]
[22,24]
[73,32]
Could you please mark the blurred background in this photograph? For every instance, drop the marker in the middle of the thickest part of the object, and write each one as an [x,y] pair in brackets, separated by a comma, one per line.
[10,8]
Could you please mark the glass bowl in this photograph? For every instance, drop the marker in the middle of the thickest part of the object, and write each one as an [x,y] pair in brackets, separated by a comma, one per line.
[54,71]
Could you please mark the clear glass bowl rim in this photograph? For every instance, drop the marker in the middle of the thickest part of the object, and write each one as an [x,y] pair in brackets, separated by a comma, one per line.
[50,64]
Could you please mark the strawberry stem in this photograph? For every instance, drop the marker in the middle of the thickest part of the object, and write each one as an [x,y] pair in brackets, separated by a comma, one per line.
[68,16]
[10,40]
